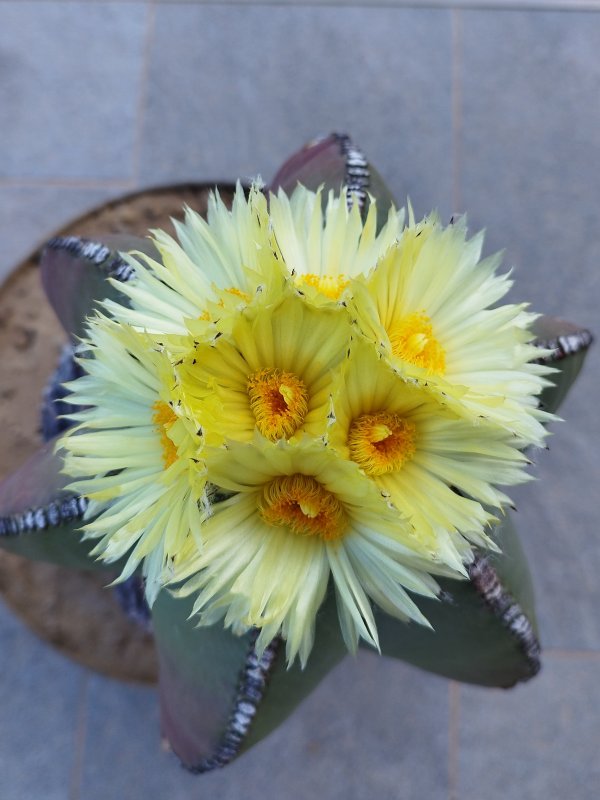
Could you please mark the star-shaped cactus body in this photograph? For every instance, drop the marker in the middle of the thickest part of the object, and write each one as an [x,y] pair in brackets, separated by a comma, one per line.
[218,695]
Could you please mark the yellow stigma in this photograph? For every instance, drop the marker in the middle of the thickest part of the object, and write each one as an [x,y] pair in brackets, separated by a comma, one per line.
[412,340]
[330,285]
[303,505]
[381,443]
[279,402]
[233,290]
[163,418]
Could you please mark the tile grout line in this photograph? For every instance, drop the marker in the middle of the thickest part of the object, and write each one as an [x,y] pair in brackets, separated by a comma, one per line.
[457,109]
[476,5]
[65,183]
[578,655]
[80,737]
[453,738]
[143,89]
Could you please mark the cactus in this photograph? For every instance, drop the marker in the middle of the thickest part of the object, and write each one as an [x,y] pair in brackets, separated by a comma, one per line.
[219,693]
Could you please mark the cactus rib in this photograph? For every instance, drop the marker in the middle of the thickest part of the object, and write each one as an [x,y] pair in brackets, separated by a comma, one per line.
[254,677]
[112,264]
[488,586]
[42,518]
[565,345]
[357,176]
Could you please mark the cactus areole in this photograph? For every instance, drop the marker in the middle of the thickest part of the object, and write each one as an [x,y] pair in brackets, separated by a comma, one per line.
[290,430]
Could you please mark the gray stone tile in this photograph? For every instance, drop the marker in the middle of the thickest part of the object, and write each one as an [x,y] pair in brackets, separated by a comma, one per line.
[539,740]
[557,520]
[28,216]
[250,85]
[531,143]
[70,76]
[492,4]
[374,728]
[39,695]
[122,754]
[529,148]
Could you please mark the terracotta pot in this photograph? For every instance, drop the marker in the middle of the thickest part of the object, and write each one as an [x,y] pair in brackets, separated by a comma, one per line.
[73,610]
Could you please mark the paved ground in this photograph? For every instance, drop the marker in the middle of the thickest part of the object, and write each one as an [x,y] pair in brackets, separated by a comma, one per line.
[491,111]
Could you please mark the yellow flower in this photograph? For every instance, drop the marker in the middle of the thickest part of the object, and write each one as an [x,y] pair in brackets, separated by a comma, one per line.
[436,468]
[221,264]
[271,373]
[358,392]
[300,514]
[132,454]
[218,263]
[429,305]
[323,249]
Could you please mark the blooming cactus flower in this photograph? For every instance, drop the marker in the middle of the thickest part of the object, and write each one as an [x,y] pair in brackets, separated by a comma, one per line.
[390,496]
[135,458]
[296,422]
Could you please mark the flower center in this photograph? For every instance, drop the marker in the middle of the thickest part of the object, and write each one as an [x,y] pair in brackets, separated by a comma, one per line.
[303,505]
[412,340]
[381,443]
[330,285]
[279,402]
[163,418]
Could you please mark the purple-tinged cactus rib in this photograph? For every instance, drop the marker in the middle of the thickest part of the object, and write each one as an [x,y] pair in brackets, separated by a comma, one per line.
[131,597]
[42,518]
[34,498]
[254,678]
[487,584]
[199,678]
[36,484]
[567,345]
[77,274]
[571,341]
[483,628]
[53,420]
[318,162]
[112,264]
[218,698]
[332,162]
[357,177]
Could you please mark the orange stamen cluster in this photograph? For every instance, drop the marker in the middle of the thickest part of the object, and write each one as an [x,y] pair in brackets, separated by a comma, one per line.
[301,504]
[235,292]
[163,418]
[330,285]
[412,340]
[381,443]
[279,402]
